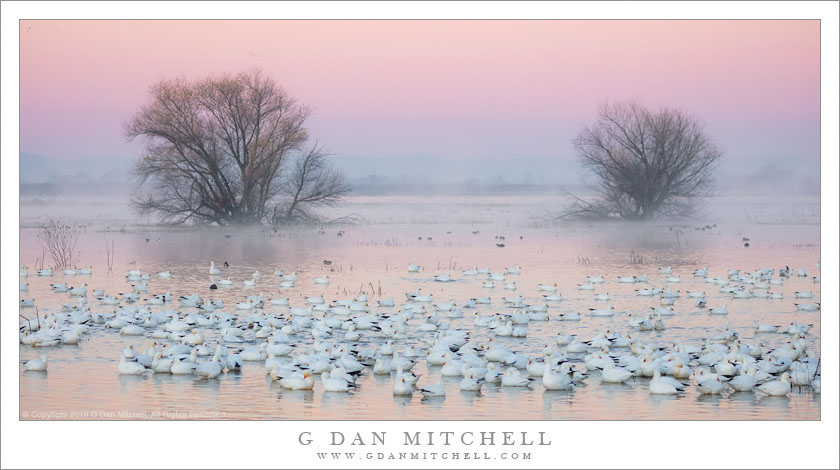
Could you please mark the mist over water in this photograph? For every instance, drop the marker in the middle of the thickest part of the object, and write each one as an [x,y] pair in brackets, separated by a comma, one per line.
[429,175]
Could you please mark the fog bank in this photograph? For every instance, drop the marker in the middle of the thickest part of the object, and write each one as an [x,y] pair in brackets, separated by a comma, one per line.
[423,174]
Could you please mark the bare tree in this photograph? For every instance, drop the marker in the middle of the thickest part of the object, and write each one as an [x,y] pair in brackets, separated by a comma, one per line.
[648,163]
[58,238]
[216,149]
[310,180]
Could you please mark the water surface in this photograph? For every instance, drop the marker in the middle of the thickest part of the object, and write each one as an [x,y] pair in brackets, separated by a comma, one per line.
[444,235]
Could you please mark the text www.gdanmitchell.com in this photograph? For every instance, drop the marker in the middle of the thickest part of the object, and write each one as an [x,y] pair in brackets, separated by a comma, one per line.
[423,456]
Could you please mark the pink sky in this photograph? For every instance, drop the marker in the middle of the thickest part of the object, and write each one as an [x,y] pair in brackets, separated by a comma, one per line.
[459,89]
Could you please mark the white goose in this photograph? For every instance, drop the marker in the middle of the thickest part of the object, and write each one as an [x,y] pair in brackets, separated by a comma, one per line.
[708,385]
[38,364]
[722,310]
[213,269]
[209,369]
[744,382]
[251,282]
[554,381]
[160,364]
[602,312]
[513,378]
[776,388]
[331,384]
[434,390]
[298,382]
[471,384]
[613,375]
[127,367]
[401,385]
[184,366]
[658,387]
[569,316]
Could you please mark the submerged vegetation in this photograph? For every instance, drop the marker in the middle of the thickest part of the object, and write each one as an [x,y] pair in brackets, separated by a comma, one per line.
[58,238]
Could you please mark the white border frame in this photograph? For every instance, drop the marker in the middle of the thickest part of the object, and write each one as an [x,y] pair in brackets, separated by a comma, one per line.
[273,444]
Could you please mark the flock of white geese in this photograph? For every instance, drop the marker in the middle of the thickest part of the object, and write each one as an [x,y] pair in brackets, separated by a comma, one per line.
[330,344]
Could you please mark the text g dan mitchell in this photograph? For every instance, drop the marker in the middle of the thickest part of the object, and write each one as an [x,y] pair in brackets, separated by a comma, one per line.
[429,438]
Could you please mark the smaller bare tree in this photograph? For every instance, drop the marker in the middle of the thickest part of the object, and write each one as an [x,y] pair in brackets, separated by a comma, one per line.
[58,237]
[311,181]
[648,163]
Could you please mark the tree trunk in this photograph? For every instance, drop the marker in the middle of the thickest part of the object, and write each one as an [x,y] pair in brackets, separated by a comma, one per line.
[291,210]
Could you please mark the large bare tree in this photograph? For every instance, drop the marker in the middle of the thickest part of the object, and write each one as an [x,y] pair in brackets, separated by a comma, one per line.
[220,150]
[647,163]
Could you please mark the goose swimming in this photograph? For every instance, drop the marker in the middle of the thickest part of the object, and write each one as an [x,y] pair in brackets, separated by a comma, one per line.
[434,390]
[37,364]
[303,381]
[512,378]
[569,316]
[213,269]
[127,367]
[331,384]
[776,388]
[722,310]
[602,312]
[59,287]
[401,386]
[658,387]
[209,369]
[132,330]
[765,328]
[471,384]
[553,381]
[611,374]
[184,366]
